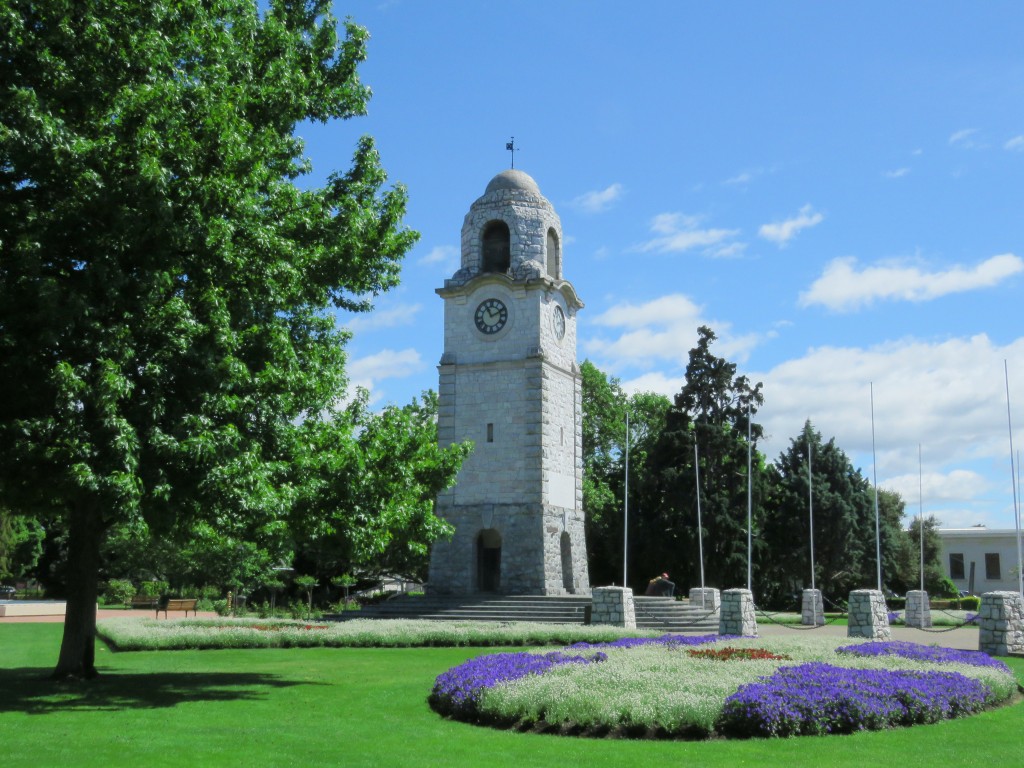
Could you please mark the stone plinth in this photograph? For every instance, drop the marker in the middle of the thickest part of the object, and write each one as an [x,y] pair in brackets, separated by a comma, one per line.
[812,610]
[737,613]
[1001,623]
[919,610]
[613,605]
[868,615]
[707,598]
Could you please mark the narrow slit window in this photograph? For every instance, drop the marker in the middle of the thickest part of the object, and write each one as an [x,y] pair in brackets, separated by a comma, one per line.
[490,433]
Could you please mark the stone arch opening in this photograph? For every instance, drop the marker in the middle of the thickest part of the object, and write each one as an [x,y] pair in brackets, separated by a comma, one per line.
[496,247]
[566,546]
[554,254]
[488,560]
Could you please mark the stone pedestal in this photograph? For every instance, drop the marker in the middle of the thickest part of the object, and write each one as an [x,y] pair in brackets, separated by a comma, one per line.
[868,615]
[919,611]
[1001,623]
[812,609]
[737,616]
[613,605]
[708,598]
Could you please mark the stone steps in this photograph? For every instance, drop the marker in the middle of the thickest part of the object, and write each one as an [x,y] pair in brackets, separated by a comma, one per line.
[660,613]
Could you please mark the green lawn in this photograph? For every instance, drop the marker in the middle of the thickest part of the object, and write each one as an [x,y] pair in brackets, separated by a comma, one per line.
[365,707]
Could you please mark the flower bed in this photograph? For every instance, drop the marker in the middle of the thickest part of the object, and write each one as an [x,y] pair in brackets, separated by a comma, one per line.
[666,687]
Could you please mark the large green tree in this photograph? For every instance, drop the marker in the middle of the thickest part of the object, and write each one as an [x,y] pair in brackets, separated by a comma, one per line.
[711,412]
[367,505]
[842,507]
[167,349]
[605,409]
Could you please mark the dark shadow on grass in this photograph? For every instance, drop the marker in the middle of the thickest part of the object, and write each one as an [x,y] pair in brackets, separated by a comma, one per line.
[30,690]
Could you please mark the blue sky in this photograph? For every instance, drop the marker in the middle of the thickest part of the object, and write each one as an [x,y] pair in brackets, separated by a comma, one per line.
[835,190]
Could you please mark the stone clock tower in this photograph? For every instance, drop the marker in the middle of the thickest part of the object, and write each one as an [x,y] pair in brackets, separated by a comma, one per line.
[509,382]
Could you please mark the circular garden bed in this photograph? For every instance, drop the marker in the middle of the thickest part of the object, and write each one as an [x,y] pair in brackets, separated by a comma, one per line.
[679,686]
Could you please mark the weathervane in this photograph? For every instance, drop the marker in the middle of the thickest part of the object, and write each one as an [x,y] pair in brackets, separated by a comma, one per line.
[511,147]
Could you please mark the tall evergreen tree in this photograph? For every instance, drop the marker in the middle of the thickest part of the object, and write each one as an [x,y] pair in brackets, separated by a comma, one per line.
[711,413]
[167,344]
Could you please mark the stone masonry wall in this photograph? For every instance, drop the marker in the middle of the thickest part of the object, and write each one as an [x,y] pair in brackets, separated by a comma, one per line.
[812,609]
[919,612]
[737,613]
[868,616]
[1001,623]
[613,605]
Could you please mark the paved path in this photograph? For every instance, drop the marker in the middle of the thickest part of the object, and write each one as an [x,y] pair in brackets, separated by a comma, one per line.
[964,639]
[103,613]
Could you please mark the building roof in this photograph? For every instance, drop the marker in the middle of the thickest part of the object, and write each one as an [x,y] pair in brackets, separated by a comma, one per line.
[513,179]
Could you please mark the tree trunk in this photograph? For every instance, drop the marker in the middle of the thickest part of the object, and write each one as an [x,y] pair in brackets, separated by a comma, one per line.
[78,647]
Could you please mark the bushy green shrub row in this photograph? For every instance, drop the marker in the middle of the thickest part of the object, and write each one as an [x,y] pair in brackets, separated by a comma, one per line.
[181,634]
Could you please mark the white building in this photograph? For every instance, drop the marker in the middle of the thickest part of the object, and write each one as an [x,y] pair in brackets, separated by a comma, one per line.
[980,559]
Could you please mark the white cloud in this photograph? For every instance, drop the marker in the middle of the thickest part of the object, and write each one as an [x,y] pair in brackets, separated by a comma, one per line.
[781,232]
[948,396]
[668,310]
[741,178]
[1016,144]
[658,332]
[897,174]
[599,200]
[447,256]
[842,287]
[387,364]
[963,137]
[678,232]
[404,314]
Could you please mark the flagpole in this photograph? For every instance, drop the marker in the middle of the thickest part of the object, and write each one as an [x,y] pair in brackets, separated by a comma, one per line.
[1013,482]
[750,504]
[810,502]
[874,475]
[700,531]
[625,516]
[920,505]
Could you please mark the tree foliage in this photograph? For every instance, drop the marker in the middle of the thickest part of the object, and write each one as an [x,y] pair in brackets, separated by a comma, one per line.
[711,413]
[605,406]
[166,349]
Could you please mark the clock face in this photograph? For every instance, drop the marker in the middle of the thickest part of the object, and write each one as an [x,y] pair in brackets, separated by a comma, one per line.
[490,316]
[559,322]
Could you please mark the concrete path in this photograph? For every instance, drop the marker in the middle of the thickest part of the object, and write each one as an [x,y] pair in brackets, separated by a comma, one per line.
[105,613]
[963,638]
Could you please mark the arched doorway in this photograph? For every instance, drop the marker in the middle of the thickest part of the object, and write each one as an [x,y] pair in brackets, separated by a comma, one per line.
[488,560]
[566,545]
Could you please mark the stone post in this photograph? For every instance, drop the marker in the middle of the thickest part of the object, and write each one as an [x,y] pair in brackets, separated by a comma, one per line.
[812,609]
[919,610]
[737,616]
[868,615]
[708,599]
[1001,623]
[613,605]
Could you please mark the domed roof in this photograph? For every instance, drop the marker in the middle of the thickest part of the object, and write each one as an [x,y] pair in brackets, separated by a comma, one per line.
[513,179]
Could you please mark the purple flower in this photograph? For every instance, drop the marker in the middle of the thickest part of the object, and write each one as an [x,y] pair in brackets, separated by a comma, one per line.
[457,691]
[923,653]
[818,698]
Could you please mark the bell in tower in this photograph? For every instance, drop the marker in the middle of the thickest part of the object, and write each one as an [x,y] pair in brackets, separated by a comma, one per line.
[510,383]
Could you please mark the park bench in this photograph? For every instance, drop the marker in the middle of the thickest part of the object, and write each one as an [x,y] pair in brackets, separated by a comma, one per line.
[145,601]
[185,604]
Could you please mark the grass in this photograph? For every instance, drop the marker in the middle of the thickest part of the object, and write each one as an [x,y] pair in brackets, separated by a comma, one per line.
[364,707]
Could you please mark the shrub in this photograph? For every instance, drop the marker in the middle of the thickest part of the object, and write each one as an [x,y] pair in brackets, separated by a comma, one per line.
[119,592]
[154,588]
